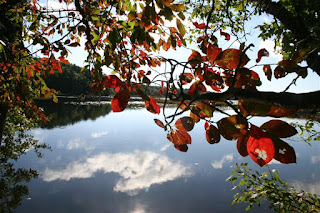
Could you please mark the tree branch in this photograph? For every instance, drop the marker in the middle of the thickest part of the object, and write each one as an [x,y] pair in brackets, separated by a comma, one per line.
[285,99]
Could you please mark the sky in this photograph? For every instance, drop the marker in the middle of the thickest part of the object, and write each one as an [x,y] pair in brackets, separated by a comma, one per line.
[310,83]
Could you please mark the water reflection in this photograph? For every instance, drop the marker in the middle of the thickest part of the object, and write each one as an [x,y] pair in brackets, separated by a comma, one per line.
[138,170]
[62,114]
[218,164]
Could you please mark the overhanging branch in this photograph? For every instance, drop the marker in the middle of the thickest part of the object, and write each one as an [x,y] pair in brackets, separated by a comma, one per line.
[291,100]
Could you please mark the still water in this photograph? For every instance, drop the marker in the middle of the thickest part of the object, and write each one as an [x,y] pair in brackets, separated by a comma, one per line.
[122,162]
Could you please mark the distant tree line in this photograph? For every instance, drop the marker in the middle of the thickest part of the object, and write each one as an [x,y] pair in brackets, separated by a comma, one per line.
[74,82]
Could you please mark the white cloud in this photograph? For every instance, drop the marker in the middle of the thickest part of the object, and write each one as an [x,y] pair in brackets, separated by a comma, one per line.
[313,188]
[273,161]
[99,134]
[315,159]
[225,159]
[165,147]
[137,170]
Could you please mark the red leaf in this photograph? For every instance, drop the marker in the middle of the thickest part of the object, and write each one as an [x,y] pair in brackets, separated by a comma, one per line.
[230,59]
[112,81]
[212,134]
[178,137]
[63,60]
[179,43]
[262,52]
[194,59]
[200,26]
[283,151]
[267,71]
[120,100]
[186,78]
[206,125]
[159,123]
[226,35]
[279,112]
[242,145]
[152,106]
[279,128]
[185,124]
[213,52]
[260,146]
[232,127]
[193,89]
[181,148]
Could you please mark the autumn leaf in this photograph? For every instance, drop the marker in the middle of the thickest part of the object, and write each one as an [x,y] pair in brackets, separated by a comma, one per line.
[212,134]
[232,127]
[194,59]
[267,71]
[185,124]
[284,152]
[179,137]
[200,26]
[261,53]
[212,52]
[120,100]
[186,78]
[279,128]
[279,112]
[260,146]
[152,106]
[242,145]
[230,59]
[160,123]
[63,60]
[226,35]
[181,148]
[112,81]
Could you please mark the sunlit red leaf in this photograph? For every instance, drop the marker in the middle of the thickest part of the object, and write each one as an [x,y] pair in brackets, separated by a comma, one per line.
[279,128]
[159,123]
[232,127]
[179,43]
[205,110]
[179,137]
[186,78]
[152,106]
[185,124]
[253,108]
[279,112]
[194,59]
[120,100]
[230,59]
[213,52]
[262,52]
[283,151]
[267,71]
[63,60]
[112,81]
[212,134]
[242,145]
[206,125]
[199,26]
[226,35]
[193,89]
[260,146]
[195,117]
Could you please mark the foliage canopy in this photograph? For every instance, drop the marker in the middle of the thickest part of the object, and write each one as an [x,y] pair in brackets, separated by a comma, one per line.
[124,37]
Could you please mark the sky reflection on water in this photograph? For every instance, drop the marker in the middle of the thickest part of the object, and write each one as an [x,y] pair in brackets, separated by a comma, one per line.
[122,162]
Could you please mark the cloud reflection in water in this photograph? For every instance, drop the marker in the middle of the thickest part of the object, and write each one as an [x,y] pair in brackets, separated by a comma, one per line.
[137,170]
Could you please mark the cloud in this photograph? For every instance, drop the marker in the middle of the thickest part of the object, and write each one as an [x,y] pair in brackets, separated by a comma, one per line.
[75,143]
[315,159]
[313,188]
[165,147]
[225,159]
[99,134]
[137,170]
